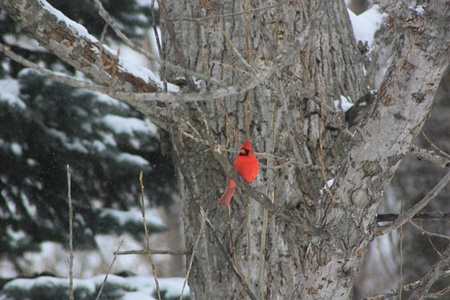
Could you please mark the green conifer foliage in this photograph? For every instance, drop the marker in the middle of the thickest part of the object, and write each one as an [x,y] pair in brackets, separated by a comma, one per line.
[45,126]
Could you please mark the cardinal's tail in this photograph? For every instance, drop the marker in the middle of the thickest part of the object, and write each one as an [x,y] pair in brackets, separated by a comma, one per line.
[226,197]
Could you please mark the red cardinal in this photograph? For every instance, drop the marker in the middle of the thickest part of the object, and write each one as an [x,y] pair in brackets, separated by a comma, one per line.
[245,164]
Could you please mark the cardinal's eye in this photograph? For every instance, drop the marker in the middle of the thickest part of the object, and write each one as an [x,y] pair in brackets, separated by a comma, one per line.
[244,151]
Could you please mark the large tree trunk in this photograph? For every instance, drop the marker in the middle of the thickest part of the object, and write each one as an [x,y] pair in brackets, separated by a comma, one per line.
[283,118]
[290,119]
[287,117]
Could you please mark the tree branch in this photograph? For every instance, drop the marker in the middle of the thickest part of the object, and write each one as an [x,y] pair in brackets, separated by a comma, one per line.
[63,38]
[439,216]
[430,156]
[407,216]
[436,271]
[152,251]
[406,288]
[423,231]
[155,113]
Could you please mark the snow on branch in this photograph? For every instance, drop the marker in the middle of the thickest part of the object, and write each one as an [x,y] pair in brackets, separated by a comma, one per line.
[115,75]
[72,43]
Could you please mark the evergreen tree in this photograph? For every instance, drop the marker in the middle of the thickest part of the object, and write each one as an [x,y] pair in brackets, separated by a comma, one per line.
[47,125]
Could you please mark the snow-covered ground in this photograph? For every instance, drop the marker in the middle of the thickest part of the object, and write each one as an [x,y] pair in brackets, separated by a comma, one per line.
[115,287]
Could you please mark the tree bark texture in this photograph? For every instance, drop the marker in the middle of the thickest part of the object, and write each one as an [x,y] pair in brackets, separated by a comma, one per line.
[283,118]
[300,140]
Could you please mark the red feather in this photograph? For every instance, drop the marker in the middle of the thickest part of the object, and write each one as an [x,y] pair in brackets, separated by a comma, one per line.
[247,165]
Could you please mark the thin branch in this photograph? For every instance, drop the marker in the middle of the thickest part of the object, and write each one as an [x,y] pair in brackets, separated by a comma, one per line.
[443,236]
[158,43]
[430,156]
[295,130]
[147,236]
[156,116]
[435,272]
[435,146]
[281,166]
[58,77]
[191,260]
[438,216]
[263,250]
[401,253]
[230,230]
[406,288]
[235,50]
[141,97]
[439,294]
[71,256]
[109,272]
[406,217]
[264,73]
[152,251]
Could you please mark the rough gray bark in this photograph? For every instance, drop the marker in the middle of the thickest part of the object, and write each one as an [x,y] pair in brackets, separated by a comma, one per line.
[283,119]
[289,118]
[415,179]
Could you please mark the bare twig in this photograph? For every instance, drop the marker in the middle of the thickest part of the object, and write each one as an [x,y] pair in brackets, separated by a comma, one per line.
[58,77]
[280,166]
[109,271]
[266,71]
[435,146]
[401,255]
[157,41]
[295,133]
[435,272]
[230,230]
[263,250]
[438,216]
[147,236]
[406,217]
[430,156]
[191,260]
[420,228]
[439,294]
[406,288]
[71,256]
[153,252]
[235,50]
